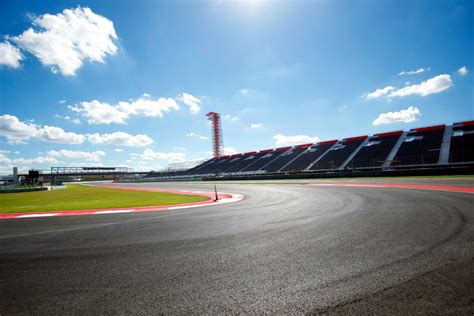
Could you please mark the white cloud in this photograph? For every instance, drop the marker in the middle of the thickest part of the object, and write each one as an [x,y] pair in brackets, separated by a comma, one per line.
[62,101]
[282,140]
[100,113]
[93,156]
[229,151]
[10,56]
[412,72]
[3,157]
[179,148]
[65,40]
[37,160]
[462,71]
[380,92]
[192,134]
[190,100]
[244,91]
[149,154]
[256,125]
[118,150]
[55,134]
[232,118]
[433,85]
[120,139]
[406,116]
[68,118]
[18,132]
[97,112]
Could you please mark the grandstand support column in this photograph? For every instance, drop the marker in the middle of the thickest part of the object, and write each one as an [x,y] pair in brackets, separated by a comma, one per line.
[344,164]
[445,144]
[217,138]
[394,150]
[320,157]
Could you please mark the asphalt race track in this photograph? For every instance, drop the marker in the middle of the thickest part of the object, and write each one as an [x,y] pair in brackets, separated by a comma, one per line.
[286,248]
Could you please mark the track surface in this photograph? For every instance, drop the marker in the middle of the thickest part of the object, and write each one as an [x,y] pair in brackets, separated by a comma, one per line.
[286,248]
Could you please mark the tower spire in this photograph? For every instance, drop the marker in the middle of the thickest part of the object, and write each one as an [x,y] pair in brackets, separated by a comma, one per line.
[217,139]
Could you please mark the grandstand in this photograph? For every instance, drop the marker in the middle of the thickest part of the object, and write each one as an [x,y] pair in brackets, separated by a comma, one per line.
[462,143]
[429,148]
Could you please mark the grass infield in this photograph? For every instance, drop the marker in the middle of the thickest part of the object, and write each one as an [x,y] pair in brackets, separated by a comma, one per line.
[79,197]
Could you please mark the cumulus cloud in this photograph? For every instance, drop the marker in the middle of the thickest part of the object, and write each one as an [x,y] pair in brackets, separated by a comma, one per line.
[404,116]
[191,101]
[55,134]
[52,157]
[18,132]
[229,151]
[434,85]
[93,156]
[65,40]
[380,92]
[118,150]
[412,72]
[256,125]
[462,71]
[97,112]
[232,118]
[37,160]
[282,140]
[149,154]
[3,157]
[10,56]
[192,134]
[120,139]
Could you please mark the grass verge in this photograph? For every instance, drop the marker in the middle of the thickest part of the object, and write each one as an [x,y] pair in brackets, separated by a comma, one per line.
[79,197]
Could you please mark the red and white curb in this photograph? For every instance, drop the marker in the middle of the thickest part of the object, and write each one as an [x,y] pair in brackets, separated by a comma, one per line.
[431,187]
[224,198]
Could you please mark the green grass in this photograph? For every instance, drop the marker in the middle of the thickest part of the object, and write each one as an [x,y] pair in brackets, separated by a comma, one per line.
[78,197]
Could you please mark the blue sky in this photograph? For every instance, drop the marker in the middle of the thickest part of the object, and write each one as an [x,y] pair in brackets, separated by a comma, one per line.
[129,83]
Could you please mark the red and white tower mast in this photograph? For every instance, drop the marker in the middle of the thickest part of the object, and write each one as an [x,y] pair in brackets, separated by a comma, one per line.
[217,139]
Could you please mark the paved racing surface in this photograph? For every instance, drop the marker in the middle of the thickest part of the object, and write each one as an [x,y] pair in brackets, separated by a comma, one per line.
[286,248]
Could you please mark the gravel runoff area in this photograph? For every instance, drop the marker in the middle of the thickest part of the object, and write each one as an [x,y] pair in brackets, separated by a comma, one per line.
[285,248]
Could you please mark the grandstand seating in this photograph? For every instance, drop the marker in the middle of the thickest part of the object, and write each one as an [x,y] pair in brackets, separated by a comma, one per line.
[421,146]
[263,160]
[374,153]
[223,163]
[307,157]
[248,158]
[338,154]
[279,162]
[462,143]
